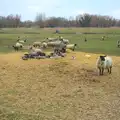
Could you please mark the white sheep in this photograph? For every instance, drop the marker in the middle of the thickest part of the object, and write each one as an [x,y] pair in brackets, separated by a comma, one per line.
[18,46]
[37,44]
[71,46]
[44,45]
[66,41]
[104,62]
[35,49]
[52,39]
[22,41]
[54,44]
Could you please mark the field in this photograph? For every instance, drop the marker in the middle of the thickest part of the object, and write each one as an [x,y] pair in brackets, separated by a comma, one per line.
[60,89]
[94,44]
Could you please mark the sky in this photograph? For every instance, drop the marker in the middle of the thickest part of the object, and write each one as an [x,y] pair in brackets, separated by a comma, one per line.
[28,9]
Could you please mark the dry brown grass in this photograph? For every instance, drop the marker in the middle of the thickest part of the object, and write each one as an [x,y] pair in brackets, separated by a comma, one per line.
[62,89]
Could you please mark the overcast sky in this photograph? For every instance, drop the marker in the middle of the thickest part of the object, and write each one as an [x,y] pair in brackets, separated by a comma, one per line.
[65,8]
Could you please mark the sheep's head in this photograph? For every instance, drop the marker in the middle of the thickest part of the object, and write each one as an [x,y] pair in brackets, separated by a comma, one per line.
[102,58]
[75,44]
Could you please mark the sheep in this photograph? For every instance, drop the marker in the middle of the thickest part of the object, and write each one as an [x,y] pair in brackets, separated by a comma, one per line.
[22,41]
[104,62]
[85,40]
[71,46]
[17,46]
[54,44]
[66,41]
[52,39]
[103,37]
[44,45]
[35,49]
[60,37]
[36,44]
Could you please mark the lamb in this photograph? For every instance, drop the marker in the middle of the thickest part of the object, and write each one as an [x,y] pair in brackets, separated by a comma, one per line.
[104,62]
[71,46]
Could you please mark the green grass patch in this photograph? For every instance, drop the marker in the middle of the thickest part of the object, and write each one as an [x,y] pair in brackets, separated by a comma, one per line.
[94,43]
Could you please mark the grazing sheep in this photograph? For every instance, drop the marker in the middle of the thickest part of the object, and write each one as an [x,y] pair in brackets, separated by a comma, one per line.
[22,41]
[60,37]
[44,45]
[35,49]
[52,39]
[66,41]
[54,44]
[17,46]
[104,62]
[36,44]
[71,46]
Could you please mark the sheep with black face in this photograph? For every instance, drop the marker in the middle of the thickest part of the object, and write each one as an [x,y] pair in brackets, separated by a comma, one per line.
[104,62]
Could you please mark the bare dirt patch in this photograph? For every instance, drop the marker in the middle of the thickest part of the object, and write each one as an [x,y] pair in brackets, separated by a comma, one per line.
[61,89]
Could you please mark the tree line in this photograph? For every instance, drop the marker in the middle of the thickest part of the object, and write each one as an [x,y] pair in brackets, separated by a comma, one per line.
[82,20]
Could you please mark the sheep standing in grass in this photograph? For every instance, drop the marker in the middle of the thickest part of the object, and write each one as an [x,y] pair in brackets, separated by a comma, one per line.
[35,49]
[104,62]
[52,39]
[66,41]
[17,46]
[54,44]
[44,45]
[22,41]
[71,46]
[36,44]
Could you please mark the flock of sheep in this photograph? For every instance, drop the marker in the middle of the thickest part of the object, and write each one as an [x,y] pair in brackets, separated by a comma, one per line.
[103,62]
[59,42]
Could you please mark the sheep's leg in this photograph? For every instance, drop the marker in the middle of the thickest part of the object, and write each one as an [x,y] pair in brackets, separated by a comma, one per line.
[110,70]
[99,71]
[102,70]
[74,48]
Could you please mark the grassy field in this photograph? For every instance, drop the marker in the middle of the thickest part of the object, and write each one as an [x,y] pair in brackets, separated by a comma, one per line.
[59,89]
[94,44]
